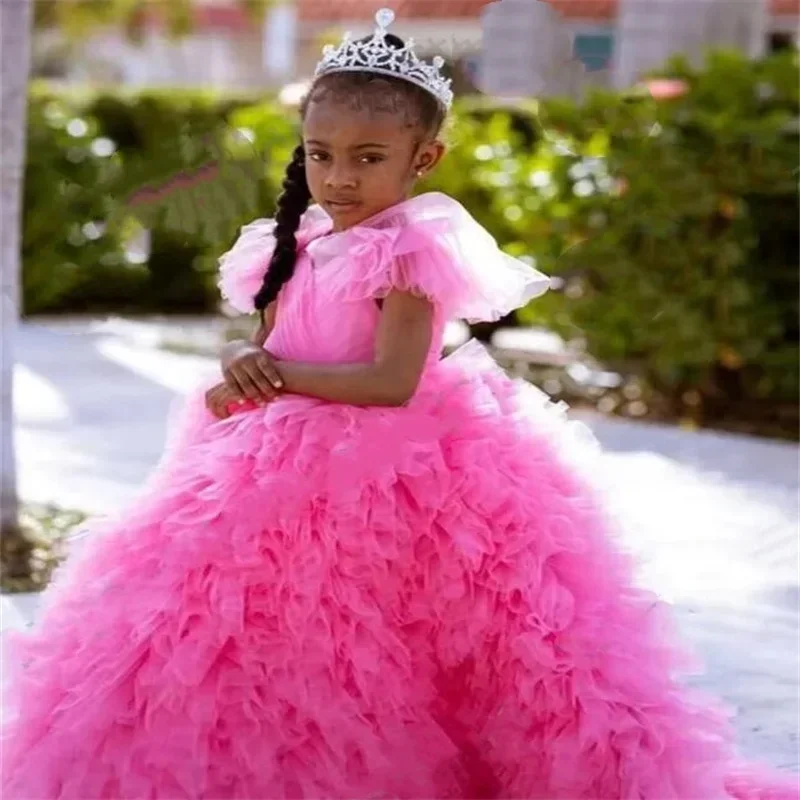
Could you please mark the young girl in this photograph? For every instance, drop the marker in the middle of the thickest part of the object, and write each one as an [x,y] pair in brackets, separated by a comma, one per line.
[364,570]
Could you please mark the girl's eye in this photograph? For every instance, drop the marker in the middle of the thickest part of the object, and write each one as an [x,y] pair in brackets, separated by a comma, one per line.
[317,156]
[372,159]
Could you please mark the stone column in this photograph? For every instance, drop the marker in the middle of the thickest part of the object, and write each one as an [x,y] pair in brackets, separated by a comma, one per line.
[279,42]
[526,50]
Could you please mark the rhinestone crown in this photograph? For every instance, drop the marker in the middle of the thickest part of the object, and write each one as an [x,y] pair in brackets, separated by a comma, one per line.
[375,55]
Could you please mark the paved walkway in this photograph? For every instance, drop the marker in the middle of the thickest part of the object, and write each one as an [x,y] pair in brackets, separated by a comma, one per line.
[713,517]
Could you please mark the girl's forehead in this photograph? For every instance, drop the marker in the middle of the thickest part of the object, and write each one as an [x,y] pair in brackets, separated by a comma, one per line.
[344,123]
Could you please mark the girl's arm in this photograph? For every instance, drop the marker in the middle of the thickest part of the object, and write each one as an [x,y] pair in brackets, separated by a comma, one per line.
[402,346]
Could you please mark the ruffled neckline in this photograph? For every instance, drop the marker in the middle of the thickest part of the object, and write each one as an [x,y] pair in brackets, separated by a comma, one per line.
[422,206]
[316,214]
[428,243]
[436,211]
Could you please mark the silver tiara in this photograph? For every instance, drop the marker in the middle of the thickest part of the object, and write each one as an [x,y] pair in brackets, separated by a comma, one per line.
[375,55]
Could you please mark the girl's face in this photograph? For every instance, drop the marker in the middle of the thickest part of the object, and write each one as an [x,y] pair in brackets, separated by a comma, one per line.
[361,161]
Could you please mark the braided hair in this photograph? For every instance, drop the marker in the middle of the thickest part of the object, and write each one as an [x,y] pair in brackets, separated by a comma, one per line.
[360,90]
[292,203]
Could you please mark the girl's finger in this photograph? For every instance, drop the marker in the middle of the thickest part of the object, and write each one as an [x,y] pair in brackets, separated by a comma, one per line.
[232,383]
[228,405]
[265,389]
[269,371]
[212,401]
[247,388]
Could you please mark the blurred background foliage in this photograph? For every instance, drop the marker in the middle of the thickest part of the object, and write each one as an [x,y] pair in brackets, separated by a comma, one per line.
[668,220]
[76,18]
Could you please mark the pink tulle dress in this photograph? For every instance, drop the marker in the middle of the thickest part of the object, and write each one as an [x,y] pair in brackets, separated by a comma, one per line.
[312,600]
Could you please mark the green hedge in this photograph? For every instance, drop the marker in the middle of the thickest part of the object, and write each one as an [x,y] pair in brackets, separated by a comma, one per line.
[675,229]
[103,166]
[671,224]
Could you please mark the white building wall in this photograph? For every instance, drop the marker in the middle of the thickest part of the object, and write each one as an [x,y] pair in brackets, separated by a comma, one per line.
[645,34]
[651,31]
[217,60]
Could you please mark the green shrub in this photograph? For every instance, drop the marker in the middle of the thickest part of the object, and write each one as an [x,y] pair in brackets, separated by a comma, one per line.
[92,157]
[62,204]
[672,225]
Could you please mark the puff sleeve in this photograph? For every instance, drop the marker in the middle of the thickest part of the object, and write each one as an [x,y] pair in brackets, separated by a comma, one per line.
[242,268]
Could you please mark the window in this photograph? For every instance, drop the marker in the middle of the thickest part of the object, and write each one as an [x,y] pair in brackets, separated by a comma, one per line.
[779,41]
[594,50]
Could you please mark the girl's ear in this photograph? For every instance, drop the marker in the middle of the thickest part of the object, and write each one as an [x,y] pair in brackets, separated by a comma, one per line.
[428,156]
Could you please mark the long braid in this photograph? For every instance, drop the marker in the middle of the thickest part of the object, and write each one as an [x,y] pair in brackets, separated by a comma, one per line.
[292,204]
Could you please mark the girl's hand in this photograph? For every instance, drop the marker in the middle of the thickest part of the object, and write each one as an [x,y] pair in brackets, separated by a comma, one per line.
[251,373]
[219,398]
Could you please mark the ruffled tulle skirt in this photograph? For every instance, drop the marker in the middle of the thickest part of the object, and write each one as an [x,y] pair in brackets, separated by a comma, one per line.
[320,601]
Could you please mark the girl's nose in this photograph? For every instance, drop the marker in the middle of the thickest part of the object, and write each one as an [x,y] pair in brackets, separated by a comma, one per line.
[340,177]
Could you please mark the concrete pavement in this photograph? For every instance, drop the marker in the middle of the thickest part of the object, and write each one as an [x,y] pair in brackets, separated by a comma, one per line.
[714,518]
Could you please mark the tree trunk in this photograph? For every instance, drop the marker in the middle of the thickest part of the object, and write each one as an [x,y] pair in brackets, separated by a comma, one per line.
[15,41]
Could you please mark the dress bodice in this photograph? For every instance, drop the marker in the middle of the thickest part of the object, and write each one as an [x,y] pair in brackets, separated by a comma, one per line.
[314,323]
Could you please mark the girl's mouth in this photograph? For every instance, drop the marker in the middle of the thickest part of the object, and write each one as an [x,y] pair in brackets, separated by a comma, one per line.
[342,205]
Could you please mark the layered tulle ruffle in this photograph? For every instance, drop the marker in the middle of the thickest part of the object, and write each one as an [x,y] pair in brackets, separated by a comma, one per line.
[327,601]
[311,600]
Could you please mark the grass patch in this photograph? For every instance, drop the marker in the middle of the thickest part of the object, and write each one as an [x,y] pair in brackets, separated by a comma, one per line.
[45,529]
